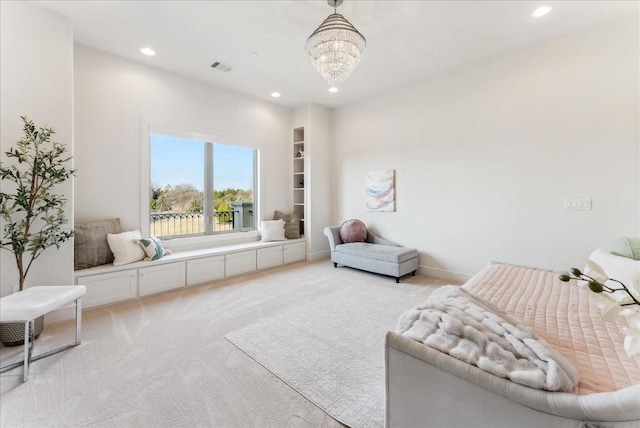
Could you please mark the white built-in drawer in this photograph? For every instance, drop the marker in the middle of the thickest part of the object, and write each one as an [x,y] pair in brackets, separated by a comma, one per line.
[204,270]
[294,252]
[239,263]
[164,277]
[269,257]
[106,288]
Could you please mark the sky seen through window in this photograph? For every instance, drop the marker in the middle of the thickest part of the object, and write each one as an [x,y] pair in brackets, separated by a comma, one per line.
[181,161]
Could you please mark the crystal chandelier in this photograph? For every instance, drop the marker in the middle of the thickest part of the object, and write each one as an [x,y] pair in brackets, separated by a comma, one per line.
[335,47]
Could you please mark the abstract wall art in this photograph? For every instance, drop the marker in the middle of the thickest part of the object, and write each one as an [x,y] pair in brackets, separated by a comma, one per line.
[380,194]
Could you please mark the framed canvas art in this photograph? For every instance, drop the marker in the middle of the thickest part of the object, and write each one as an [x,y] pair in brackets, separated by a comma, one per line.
[380,190]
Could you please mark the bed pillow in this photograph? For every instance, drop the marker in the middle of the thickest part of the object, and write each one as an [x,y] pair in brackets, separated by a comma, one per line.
[90,246]
[635,248]
[153,248]
[272,230]
[623,247]
[623,269]
[291,224]
[125,247]
[353,231]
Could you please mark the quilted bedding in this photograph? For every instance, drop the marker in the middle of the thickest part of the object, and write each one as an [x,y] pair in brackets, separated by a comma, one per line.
[567,318]
[475,331]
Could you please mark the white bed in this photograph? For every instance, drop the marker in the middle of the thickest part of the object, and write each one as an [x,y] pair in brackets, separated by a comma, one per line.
[428,388]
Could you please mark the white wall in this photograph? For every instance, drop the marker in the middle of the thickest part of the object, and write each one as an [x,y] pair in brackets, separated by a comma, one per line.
[114,97]
[319,197]
[36,80]
[485,156]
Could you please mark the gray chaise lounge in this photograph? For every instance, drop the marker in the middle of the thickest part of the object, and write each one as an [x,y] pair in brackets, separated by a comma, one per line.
[374,255]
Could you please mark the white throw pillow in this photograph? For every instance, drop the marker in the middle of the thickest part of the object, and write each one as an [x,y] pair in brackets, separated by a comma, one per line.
[272,230]
[125,247]
[621,268]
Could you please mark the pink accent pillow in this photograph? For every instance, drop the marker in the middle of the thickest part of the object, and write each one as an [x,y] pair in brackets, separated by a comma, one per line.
[353,231]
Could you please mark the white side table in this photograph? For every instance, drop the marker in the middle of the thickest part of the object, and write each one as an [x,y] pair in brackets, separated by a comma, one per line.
[27,305]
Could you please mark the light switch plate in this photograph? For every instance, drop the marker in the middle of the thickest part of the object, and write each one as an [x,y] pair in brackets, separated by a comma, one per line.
[577,204]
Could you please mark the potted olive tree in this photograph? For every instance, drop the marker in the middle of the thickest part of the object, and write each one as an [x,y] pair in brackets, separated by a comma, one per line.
[33,214]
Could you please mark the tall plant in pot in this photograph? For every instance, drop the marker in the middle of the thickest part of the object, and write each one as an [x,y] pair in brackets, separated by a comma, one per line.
[32,212]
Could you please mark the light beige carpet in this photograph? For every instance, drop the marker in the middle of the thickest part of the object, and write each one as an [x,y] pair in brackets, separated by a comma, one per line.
[332,349]
[163,361]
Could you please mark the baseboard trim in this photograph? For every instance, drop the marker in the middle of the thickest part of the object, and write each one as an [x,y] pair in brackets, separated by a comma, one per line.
[312,257]
[444,274]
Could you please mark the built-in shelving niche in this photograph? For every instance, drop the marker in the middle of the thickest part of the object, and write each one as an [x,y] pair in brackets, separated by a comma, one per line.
[299,175]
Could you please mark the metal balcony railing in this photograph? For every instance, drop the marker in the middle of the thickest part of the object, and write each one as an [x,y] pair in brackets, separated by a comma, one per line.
[176,224]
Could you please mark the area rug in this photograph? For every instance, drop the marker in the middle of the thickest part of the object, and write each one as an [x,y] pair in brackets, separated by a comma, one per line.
[332,349]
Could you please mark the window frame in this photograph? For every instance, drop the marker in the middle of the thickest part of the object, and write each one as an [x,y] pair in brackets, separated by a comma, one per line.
[212,137]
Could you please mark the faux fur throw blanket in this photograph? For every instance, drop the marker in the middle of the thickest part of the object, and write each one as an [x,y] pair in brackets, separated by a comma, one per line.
[474,330]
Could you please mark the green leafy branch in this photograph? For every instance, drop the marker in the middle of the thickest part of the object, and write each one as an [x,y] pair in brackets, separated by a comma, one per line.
[34,216]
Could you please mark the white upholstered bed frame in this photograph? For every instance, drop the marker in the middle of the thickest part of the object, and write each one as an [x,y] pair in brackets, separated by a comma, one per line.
[427,388]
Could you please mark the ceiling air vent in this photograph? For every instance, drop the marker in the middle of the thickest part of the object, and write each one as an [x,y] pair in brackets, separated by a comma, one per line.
[221,66]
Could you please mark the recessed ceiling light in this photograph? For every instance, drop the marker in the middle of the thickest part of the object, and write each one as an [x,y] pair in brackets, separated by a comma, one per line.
[541,11]
[333,89]
[148,51]
[275,94]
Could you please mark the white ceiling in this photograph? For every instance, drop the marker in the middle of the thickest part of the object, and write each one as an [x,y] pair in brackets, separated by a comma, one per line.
[407,41]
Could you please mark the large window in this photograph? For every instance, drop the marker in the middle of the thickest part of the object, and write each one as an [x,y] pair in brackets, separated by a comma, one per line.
[199,187]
